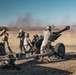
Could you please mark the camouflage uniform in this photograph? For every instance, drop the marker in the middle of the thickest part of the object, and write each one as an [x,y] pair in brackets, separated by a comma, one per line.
[5,37]
[21,35]
[35,44]
[27,42]
[47,40]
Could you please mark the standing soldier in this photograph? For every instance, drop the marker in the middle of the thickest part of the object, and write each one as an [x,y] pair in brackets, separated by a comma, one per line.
[47,40]
[35,43]
[21,35]
[5,37]
[27,42]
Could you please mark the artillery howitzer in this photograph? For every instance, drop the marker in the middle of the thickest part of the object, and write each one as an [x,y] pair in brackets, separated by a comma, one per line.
[57,50]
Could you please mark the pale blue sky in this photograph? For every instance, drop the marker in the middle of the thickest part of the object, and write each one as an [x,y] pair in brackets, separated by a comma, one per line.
[49,11]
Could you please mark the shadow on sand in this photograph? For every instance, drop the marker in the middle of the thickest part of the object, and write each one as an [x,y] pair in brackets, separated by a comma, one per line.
[31,68]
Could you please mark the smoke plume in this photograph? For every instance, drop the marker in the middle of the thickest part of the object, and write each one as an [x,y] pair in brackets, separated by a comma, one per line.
[26,21]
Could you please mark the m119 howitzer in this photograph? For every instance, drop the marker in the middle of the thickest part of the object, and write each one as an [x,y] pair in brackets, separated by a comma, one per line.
[58,51]
[58,34]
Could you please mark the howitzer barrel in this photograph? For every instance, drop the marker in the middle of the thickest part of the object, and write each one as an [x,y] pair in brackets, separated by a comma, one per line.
[57,34]
[66,28]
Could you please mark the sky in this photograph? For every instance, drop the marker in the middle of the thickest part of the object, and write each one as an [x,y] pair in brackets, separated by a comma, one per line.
[55,12]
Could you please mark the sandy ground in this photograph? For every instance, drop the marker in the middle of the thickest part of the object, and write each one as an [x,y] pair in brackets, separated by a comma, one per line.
[55,66]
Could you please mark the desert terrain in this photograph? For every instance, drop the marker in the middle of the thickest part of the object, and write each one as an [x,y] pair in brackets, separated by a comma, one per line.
[66,66]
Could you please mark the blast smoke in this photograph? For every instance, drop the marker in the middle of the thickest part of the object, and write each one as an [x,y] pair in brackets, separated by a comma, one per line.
[26,21]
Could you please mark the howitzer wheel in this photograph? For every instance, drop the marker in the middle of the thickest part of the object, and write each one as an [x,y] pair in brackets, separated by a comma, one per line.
[59,50]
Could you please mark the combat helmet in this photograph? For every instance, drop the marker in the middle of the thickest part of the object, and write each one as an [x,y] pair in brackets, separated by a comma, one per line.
[21,30]
[26,34]
[48,28]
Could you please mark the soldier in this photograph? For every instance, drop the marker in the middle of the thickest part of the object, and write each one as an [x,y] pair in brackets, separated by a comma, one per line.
[5,37]
[35,40]
[21,35]
[38,44]
[35,43]
[27,42]
[47,40]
